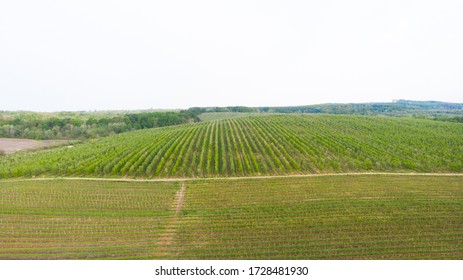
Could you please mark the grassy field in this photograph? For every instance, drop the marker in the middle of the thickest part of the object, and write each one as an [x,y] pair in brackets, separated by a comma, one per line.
[256,145]
[318,217]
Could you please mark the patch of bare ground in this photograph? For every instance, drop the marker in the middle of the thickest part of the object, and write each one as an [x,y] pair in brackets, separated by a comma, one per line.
[11,145]
[167,237]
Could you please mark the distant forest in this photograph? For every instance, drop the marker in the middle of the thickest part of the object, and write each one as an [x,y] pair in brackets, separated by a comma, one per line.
[85,125]
[397,108]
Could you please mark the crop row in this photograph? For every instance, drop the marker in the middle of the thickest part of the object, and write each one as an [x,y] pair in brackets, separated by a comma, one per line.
[316,217]
[257,145]
[395,217]
[83,219]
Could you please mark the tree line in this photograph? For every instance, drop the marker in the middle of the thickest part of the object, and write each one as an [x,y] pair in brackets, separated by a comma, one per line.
[85,125]
[32,126]
[396,108]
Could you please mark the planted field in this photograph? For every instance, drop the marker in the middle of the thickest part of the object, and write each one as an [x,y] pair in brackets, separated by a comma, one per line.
[83,219]
[332,217]
[319,217]
[225,115]
[257,145]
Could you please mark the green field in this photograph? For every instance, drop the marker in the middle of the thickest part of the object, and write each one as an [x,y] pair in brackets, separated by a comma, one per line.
[226,115]
[317,217]
[209,212]
[83,219]
[254,146]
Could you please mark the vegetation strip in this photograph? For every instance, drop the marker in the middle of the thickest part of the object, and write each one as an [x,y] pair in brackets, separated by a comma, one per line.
[227,178]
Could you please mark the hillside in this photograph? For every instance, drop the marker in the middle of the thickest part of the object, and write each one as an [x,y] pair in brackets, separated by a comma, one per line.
[257,145]
[96,124]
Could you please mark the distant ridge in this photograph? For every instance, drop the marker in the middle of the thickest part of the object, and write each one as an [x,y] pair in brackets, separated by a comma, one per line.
[398,107]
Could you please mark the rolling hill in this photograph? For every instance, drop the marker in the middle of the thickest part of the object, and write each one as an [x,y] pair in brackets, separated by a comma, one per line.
[255,146]
[260,216]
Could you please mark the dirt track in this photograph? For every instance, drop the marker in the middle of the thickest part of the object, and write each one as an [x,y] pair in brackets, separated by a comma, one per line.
[228,178]
[167,237]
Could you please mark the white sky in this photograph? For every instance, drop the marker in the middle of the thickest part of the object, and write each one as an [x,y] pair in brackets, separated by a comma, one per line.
[90,54]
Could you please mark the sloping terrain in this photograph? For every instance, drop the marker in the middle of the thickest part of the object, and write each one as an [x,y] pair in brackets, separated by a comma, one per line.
[257,145]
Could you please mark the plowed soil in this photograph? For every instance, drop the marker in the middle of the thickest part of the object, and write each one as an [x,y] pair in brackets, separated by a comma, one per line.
[11,145]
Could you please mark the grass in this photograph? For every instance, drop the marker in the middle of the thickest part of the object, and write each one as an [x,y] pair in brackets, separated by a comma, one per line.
[321,217]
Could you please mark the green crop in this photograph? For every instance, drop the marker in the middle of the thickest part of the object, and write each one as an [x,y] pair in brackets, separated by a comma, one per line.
[83,220]
[328,217]
[318,217]
[257,145]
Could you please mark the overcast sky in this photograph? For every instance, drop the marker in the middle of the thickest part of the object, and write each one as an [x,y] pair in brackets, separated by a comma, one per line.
[87,55]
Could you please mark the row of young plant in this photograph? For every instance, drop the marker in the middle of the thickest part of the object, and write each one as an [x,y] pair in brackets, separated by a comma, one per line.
[257,145]
[60,219]
[322,217]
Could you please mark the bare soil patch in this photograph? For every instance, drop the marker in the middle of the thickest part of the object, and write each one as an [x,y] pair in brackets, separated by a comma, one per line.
[11,145]
[167,238]
[180,195]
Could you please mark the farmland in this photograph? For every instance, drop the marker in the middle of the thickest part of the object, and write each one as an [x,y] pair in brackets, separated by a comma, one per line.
[312,217]
[83,220]
[332,217]
[256,146]
[11,145]
[268,186]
